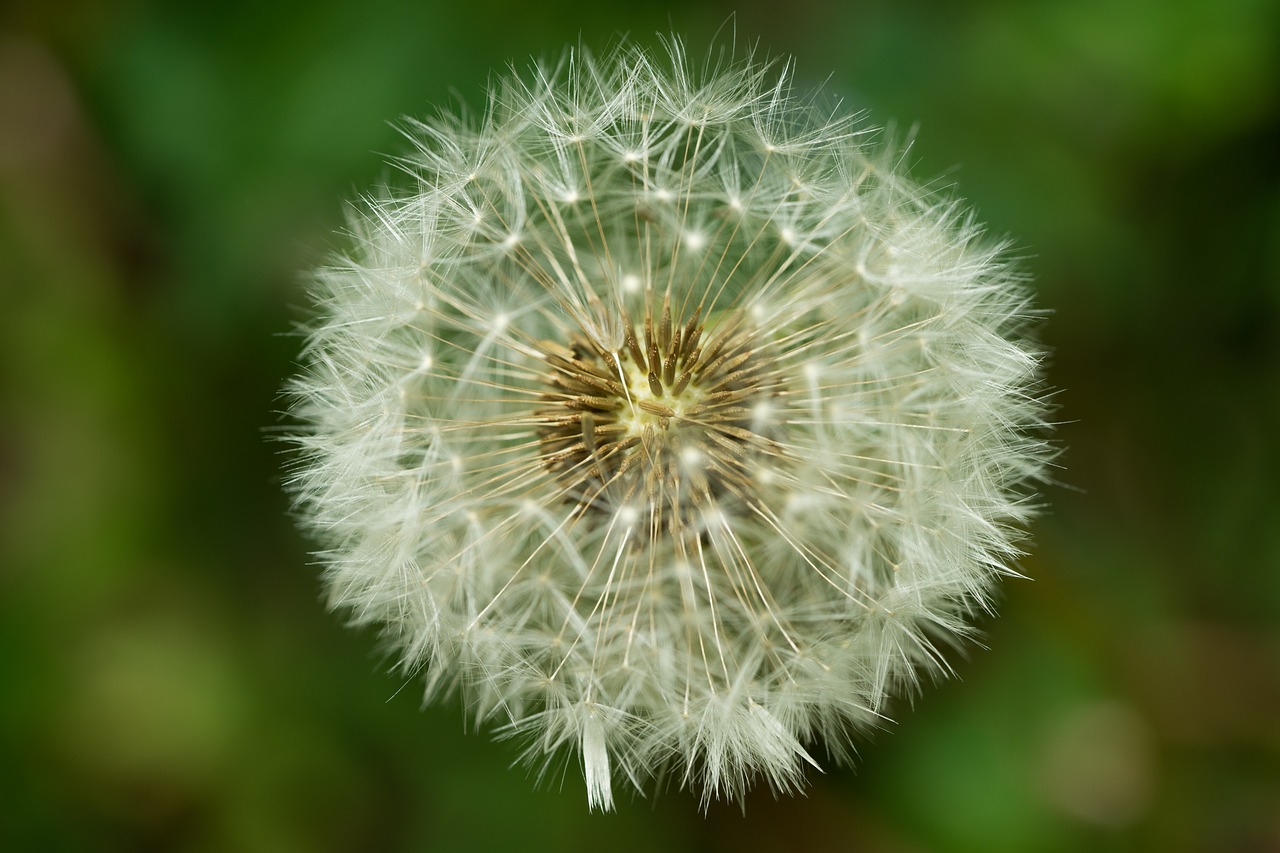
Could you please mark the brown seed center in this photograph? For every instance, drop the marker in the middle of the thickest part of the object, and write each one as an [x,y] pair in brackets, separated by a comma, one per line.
[669,423]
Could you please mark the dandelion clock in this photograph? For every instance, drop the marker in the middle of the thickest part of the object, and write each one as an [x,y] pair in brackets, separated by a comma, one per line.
[664,424]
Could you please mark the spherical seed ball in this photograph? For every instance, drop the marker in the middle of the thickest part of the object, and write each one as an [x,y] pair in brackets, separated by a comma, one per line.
[666,423]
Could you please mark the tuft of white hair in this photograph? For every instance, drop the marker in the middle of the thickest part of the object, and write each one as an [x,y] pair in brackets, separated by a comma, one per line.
[529,463]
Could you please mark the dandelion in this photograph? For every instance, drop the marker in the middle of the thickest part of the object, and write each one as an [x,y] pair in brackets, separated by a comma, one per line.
[665,422]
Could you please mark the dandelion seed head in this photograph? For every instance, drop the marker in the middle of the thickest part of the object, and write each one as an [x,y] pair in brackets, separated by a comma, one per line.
[666,422]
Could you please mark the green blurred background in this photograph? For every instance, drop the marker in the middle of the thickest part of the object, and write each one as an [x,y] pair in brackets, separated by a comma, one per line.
[170,678]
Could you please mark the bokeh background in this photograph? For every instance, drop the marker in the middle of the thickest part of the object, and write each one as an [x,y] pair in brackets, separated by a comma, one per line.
[169,679]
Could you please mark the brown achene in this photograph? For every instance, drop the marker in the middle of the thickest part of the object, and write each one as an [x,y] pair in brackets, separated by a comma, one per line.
[669,421]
